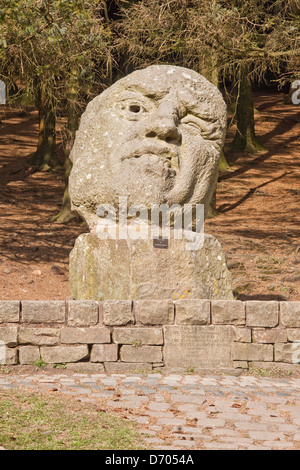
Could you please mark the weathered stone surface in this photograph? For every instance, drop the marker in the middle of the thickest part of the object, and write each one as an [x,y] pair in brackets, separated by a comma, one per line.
[276,335]
[192,312]
[141,353]
[9,335]
[9,311]
[64,354]
[252,352]
[262,314]
[154,312]
[82,313]
[39,336]
[125,367]
[243,335]
[86,367]
[293,334]
[137,141]
[104,352]
[240,364]
[228,312]
[29,355]
[290,314]
[289,352]
[148,336]
[43,311]
[8,356]
[117,312]
[198,346]
[274,366]
[135,269]
[85,335]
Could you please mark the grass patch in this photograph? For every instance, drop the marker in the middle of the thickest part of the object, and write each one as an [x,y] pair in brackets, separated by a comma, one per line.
[272,373]
[42,422]
[40,363]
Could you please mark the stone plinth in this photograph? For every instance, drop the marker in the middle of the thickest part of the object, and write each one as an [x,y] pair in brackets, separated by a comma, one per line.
[136,269]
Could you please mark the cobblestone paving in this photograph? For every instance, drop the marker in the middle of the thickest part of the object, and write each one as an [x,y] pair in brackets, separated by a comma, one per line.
[177,412]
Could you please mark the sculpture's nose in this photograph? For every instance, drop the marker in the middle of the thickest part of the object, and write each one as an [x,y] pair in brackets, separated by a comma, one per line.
[164,124]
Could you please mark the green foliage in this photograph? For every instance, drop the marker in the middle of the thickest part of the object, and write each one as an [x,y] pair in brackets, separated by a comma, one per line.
[40,363]
[42,41]
[203,34]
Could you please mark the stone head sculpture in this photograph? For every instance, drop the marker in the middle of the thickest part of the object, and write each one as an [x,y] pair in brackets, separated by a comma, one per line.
[154,136]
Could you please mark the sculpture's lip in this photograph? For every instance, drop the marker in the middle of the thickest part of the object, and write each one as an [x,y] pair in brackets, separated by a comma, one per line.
[166,155]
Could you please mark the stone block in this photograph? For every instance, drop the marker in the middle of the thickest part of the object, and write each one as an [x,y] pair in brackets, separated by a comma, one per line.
[148,336]
[39,336]
[192,312]
[240,364]
[117,312]
[90,335]
[104,353]
[274,335]
[8,356]
[141,353]
[228,312]
[29,354]
[262,314]
[288,352]
[243,335]
[86,368]
[9,335]
[64,354]
[154,312]
[100,313]
[125,367]
[198,346]
[252,352]
[137,270]
[290,314]
[9,311]
[82,312]
[43,311]
[275,366]
[293,334]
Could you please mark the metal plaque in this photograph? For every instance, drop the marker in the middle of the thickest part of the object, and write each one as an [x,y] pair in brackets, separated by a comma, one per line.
[161,243]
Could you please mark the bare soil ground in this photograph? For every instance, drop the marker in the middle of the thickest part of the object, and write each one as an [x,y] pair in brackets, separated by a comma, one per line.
[258,202]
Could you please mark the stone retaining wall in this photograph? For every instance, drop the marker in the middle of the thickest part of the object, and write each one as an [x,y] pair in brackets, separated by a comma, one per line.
[118,336]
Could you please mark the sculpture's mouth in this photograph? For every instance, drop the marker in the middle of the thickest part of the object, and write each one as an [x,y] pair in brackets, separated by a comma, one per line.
[158,157]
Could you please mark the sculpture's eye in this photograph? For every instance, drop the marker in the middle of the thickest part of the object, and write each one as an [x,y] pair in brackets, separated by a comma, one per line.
[135,108]
[130,109]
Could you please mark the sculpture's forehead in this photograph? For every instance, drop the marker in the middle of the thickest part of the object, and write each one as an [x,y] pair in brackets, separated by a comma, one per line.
[158,81]
[161,79]
[180,85]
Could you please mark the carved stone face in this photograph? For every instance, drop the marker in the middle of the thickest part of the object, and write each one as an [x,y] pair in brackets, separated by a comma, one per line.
[155,137]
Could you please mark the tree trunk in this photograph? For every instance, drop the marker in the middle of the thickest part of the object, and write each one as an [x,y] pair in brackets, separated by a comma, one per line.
[49,159]
[212,74]
[45,155]
[245,139]
[224,166]
[66,214]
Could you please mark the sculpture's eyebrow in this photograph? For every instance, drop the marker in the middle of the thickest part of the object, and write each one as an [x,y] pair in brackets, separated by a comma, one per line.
[198,106]
[203,114]
[147,90]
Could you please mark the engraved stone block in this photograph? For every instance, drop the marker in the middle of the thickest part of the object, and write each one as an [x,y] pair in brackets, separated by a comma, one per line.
[198,346]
